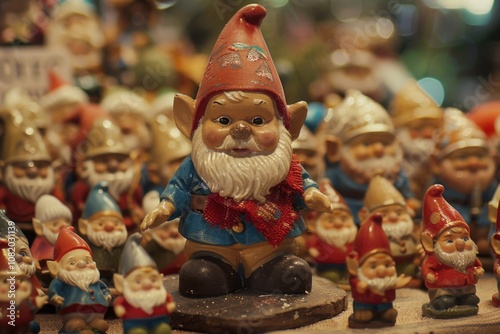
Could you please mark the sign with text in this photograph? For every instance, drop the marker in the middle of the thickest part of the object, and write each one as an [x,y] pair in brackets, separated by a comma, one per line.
[28,68]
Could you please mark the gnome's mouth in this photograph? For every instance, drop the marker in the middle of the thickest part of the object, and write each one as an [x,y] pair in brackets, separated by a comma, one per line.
[241,152]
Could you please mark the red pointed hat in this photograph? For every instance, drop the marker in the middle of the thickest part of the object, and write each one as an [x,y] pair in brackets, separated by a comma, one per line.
[55,81]
[438,215]
[67,241]
[371,238]
[240,60]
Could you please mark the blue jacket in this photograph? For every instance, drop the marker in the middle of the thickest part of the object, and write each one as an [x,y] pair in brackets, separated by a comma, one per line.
[75,297]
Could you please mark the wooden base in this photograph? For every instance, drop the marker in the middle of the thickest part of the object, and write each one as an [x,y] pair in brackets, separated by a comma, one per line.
[248,311]
[458,311]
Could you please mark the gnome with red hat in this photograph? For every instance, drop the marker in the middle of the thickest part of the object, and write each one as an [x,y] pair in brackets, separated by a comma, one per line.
[80,297]
[240,191]
[451,268]
[333,238]
[373,277]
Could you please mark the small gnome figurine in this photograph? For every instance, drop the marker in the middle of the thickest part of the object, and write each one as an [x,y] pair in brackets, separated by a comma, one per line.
[450,269]
[145,303]
[333,238]
[104,229]
[106,158]
[19,300]
[309,150]
[397,223]
[373,277]
[79,295]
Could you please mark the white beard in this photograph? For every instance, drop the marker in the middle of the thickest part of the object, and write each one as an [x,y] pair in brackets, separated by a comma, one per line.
[107,240]
[51,236]
[387,166]
[336,237]
[118,182]
[28,269]
[241,178]
[458,260]
[396,231]
[29,189]
[80,278]
[145,300]
[379,284]
[416,150]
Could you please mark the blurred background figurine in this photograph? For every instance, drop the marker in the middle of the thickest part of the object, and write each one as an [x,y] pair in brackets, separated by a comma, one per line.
[495,247]
[165,245]
[373,277]
[397,223]
[145,304]
[18,305]
[333,238]
[22,22]
[450,268]
[106,158]
[51,215]
[462,163]
[418,121]
[103,228]
[79,295]
[361,143]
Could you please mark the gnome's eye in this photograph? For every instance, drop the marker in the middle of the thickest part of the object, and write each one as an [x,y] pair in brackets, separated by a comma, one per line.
[223,120]
[257,121]
[466,239]
[449,241]
[23,253]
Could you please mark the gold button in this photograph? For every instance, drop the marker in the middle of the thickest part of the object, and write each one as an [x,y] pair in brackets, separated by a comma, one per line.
[238,228]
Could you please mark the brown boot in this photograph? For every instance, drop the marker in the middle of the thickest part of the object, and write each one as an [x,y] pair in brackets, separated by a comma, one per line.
[100,324]
[389,315]
[363,315]
[75,325]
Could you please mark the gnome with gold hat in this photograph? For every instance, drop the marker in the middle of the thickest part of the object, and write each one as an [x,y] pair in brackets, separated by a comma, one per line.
[106,158]
[462,163]
[27,171]
[397,223]
[240,191]
[373,277]
[333,238]
[418,121]
[79,295]
[361,143]
[450,269]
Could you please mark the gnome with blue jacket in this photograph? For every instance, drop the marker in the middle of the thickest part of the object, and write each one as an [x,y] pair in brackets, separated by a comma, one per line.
[145,305]
[104,229]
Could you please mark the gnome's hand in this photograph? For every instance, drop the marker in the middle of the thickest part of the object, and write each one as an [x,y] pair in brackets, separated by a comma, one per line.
[57,300]
[497,272]
[362,287]
[314,252]
[402,281]
[119,311]
[158,215]
[431,278]
[40,301]
[478,272]
[316,200]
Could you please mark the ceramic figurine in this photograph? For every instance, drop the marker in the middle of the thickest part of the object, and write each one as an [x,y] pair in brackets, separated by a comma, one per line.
[106,158]
[27,172]
[397,223]
[361,143]
[309,150]
[170,147]
[333,239]
[76,28]
[130,112]
[103,228]
[495,247]
[450,268]
[80,297]
[462,163]
[165,245]
[418,121]
[373,277]
[145,304]
[240,191]
[22,23]
[51,215]
[18,298]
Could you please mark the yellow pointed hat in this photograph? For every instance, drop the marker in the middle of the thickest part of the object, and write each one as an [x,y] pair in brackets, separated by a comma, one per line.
[381,192]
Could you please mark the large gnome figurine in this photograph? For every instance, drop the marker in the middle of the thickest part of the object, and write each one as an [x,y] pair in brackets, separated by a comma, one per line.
[450,269]
[373,277]
[240,191]
[146,305]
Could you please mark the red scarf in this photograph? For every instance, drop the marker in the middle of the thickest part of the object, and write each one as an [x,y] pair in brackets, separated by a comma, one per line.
[274,218]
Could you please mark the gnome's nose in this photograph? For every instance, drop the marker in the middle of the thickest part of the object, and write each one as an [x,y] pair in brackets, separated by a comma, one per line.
[27,259]
[81,265]
[109,227]
[240,131]
[147,285]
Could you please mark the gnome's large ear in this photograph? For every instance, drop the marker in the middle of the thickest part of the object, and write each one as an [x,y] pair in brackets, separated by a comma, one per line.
[298,114]
[118,281]
[53,267]
[333,145]
[83,225]
[427,243]
[37,226]
[184,113]
[352,263]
